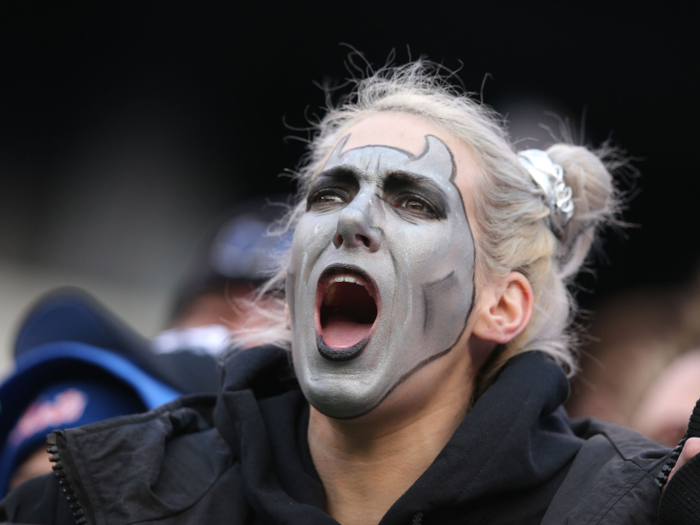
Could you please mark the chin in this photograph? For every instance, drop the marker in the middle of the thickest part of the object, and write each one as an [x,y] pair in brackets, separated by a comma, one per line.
[342,395]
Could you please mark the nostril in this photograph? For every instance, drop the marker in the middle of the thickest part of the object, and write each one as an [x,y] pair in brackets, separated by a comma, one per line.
[338,240]
[362,239]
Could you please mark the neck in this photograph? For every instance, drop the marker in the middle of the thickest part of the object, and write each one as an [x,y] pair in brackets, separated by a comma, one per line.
[367,463]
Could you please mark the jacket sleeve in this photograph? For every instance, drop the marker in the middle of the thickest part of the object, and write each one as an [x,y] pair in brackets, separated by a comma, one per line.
[680,504]
[39,501]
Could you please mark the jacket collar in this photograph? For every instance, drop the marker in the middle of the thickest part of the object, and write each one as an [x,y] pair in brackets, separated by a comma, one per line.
[516,438]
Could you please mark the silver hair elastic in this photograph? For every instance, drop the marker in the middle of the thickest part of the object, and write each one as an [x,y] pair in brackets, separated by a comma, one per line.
[550,177]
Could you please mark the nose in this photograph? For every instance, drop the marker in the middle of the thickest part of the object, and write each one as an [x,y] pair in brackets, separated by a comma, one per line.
[354,229]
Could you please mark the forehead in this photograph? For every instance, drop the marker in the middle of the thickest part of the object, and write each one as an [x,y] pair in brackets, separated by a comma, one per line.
[408,133]
[378,161]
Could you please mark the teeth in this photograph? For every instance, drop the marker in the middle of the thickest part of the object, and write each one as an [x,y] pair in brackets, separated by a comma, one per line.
[331,289]
[346,279]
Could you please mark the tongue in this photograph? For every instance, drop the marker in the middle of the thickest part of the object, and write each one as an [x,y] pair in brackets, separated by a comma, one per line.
[340,331]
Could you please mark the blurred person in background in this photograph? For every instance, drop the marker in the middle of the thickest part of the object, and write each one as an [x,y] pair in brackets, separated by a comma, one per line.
[665,408]
[634,339]
[76,363]
[234,259]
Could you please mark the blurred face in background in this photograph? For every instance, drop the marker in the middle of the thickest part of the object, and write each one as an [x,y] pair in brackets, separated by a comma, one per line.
[665,410]
[35,465]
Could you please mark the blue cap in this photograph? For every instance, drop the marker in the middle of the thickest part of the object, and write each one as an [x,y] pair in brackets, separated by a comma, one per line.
[65,404]
[72,315]
[69,341]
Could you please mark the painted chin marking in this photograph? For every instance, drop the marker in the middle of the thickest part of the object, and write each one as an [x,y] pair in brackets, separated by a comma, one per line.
[346,312]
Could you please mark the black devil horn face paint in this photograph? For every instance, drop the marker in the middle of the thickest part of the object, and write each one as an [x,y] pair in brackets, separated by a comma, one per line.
[381,278]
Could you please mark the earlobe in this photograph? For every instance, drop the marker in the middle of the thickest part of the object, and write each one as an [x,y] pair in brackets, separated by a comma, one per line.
[506,309]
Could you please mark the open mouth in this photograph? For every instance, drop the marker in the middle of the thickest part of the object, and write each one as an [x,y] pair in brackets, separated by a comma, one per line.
[346,312]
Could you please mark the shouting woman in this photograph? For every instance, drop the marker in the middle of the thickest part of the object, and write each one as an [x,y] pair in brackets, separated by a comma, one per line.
[416,363]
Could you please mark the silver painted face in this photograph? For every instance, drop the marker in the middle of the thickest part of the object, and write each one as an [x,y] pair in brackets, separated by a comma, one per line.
[381,278]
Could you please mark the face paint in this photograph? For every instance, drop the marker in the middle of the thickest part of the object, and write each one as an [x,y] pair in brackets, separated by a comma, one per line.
[381,278]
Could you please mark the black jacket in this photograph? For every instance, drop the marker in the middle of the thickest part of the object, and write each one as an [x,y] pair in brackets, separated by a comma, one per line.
[243,458]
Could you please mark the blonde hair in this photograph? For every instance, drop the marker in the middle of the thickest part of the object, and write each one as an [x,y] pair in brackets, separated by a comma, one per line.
[510,215]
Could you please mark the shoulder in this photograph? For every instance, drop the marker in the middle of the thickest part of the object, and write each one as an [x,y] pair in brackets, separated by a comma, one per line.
[612,479]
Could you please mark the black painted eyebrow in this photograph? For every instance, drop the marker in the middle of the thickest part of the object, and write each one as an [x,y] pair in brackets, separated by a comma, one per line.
[397,181]
[339,176]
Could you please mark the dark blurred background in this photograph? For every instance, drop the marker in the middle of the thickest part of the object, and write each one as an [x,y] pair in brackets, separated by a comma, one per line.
[127,127]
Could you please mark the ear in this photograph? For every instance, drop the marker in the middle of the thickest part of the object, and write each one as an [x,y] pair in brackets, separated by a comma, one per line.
[506,309]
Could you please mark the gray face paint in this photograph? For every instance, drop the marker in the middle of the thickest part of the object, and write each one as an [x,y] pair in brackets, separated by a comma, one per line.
[392,228]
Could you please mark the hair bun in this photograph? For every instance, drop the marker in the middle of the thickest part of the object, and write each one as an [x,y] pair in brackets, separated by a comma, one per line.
[594,197]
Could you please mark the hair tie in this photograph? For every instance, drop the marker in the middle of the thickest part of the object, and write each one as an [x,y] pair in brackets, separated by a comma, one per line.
[557,195]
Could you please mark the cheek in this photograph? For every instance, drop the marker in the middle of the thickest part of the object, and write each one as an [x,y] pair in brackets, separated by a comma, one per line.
[312,235]
[448,290]
[435,251]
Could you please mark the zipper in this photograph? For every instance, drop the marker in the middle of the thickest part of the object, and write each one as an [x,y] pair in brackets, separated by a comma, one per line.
[68,479]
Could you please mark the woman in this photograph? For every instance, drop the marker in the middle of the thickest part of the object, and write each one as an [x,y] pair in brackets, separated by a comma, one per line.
[426,312]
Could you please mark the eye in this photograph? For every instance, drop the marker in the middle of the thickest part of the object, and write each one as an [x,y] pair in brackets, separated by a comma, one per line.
[416,206]
[326,198]
[413,204]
